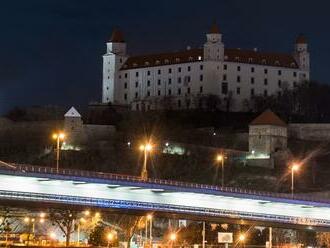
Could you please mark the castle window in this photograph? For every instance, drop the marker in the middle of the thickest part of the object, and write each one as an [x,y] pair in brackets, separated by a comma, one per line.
[169,92]
[252,69]
[189,68]
[169,70]
[265,71]
[159,72]
[265,93]
[279,83]
[238,90]
[179,79]
[125,75]
[146,63]
[158,93]
[136,84]
[148,83]
[120,60]
[179,91]
[224,77]
[252,80]
[190,58]
[157,62]
[136,95]
[279,72]
[125,96]
[252,92]
[188,79]
[201,78]
[166,61]
[201,67]
[137,73]
[250,60]
[148,73]
[125,85]
[188,90]
[158,81]
[237,58]
[238,79]
[225,67]
[265,81]
[295,74]
[277,62]
[169,81]
[201,89]
[293,64]
[179,69]
[224,88]
[238,68]
[148,93]
[199,57]
[107,88]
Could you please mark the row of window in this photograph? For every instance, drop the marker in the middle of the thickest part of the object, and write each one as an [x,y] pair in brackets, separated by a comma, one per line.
[279,72]
[252,80]
[224,90]
[159,71]
[187,79]
[169,92]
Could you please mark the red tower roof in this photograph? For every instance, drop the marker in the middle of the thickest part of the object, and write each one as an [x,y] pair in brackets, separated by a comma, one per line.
[301,39]
[117,36]
[214,29]
[268,118]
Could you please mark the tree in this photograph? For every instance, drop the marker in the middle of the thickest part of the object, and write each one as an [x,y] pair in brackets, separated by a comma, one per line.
[64,219]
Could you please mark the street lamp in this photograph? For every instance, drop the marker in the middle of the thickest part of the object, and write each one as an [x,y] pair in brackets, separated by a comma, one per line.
[173,237]
[145,148]
[241,239]
[149,217]
[221,159]
[294,168]
[58,137]
[110,237]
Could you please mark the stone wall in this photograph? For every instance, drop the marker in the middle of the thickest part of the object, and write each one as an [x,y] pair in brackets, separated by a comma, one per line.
[309,131]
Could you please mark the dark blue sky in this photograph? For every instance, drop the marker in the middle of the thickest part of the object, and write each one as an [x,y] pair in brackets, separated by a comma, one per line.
[50,50]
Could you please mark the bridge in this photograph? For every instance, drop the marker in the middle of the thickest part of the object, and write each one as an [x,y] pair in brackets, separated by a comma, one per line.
[31,184]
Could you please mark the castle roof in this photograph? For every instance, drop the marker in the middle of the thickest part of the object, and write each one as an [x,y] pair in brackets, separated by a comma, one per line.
[72,113]
[214,29]
[117,36]
[196,55]
[301,39]
[268,118]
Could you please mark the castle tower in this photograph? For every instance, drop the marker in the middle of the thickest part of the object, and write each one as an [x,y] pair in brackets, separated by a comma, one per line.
[112,61]
[267,134]
[214,48]
[301,53]
[73,126]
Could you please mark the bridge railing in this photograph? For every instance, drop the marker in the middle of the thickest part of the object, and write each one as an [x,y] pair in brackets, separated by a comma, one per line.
[120,177]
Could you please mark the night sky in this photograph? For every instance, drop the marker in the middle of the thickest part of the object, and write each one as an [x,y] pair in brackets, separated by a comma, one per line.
[51,50]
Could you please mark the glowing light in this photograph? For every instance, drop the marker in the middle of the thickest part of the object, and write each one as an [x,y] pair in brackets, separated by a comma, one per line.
[147,147]
[219,157]
[110,236]
[59,136]
[52,235]
[87,213]
[295,167]
[82,220]
[97,215]
[241,237]
[173,236]
[42,221]
[149,217]
[26,219]
[42,215]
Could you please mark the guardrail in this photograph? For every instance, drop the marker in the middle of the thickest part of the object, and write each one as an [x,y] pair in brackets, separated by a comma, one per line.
[119,177]
[100,202]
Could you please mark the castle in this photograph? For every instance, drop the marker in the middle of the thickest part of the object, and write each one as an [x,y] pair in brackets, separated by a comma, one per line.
[184,80]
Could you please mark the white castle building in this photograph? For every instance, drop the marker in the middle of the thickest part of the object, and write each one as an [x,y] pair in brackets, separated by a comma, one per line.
[181,80]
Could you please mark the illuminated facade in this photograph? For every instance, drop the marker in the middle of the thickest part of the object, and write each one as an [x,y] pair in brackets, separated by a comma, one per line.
[186,79]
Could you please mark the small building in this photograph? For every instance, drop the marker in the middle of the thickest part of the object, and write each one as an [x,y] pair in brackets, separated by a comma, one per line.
[73,126]
[267,135]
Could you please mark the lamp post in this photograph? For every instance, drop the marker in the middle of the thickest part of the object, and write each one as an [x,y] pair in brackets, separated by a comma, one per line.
[145,148]
[58,137]
[220,159]
[173,237]
[241,239]
[294,168]
[149,217]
